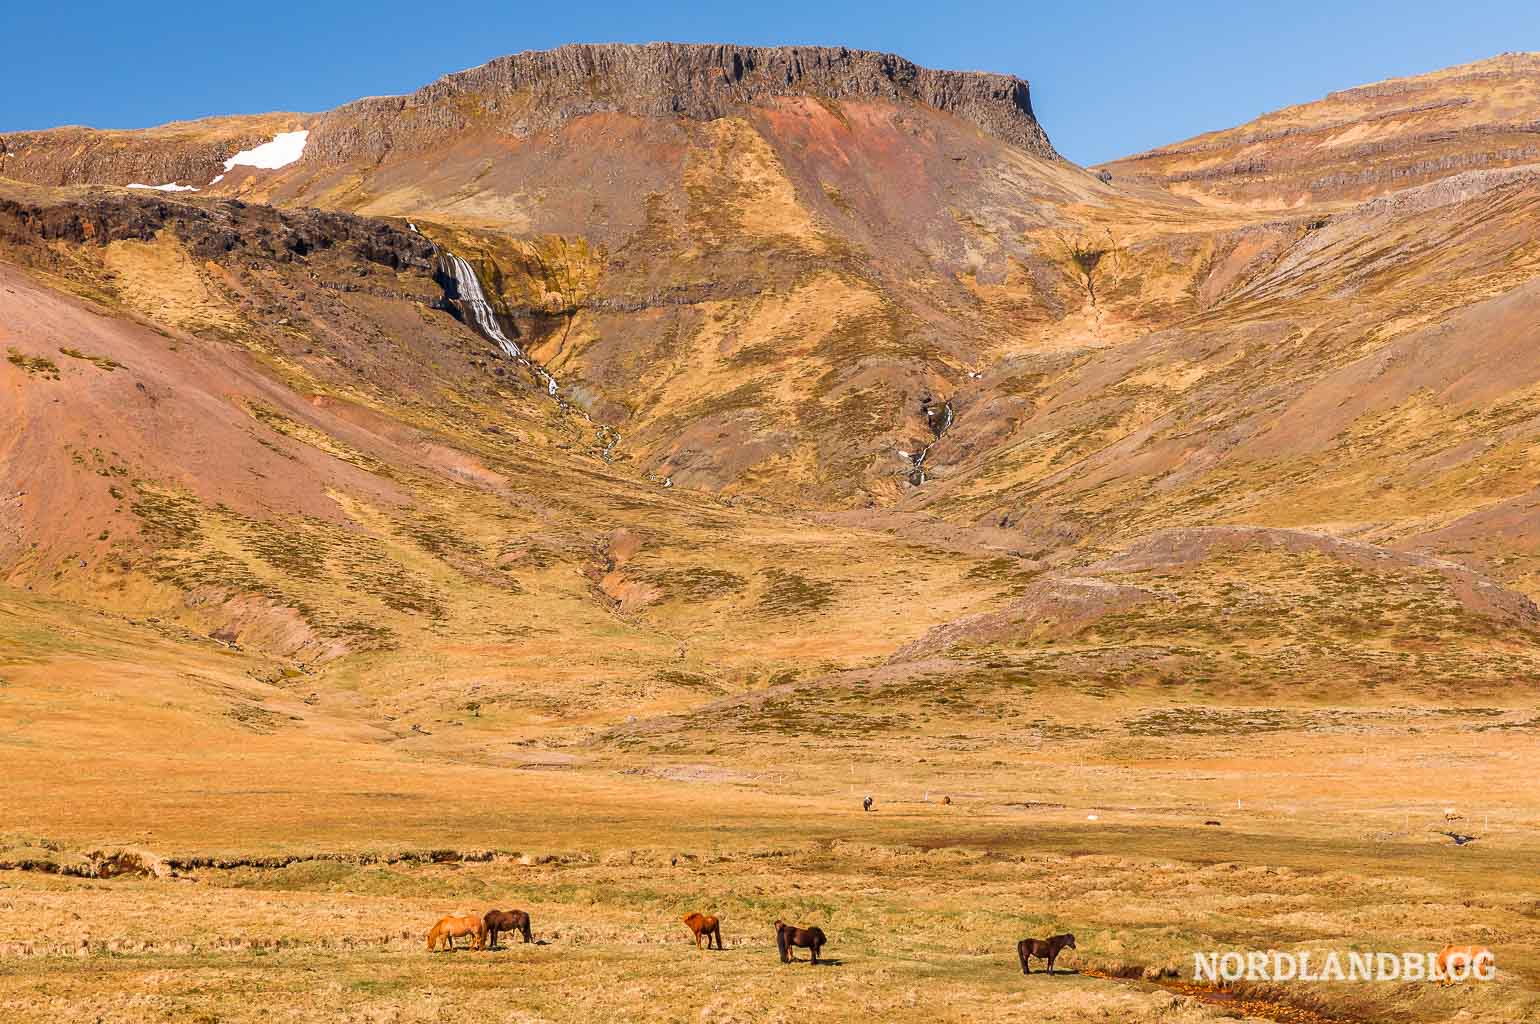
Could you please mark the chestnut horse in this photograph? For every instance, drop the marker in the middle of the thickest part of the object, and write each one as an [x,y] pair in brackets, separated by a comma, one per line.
[811,939]
[505,921]
[704,925]
[1462,963]
[449,927]
[1043,949]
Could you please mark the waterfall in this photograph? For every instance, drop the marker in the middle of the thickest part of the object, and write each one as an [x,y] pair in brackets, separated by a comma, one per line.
[473,302]
[469,298]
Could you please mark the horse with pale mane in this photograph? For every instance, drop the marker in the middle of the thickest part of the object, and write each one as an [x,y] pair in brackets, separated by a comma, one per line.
[447,929]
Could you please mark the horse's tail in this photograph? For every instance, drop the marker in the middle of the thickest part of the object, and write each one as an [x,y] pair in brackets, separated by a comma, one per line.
[780,940]
[1021,954]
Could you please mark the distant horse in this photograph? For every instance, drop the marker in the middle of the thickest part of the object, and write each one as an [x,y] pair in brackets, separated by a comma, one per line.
[811,939]
[505,921]
[866,804]
[704,925]
[1044,949]
[1465,961]
[449,927]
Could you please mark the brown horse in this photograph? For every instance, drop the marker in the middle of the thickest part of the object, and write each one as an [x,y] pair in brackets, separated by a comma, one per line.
[1044,949]
[811,939]
[1462,963]
[704,925]
[505,921]
[449,927]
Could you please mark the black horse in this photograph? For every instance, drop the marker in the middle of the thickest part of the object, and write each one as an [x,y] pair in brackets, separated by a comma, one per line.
[1044,949]
[811,939]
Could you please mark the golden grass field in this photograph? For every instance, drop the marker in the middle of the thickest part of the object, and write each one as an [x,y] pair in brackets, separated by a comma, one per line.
[1333,845]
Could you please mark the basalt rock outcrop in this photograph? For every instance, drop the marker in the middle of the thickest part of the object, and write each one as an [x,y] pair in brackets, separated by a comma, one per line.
[539,90]
[213,229]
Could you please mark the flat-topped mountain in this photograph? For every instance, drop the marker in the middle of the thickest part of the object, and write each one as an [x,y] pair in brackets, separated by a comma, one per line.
[536,91]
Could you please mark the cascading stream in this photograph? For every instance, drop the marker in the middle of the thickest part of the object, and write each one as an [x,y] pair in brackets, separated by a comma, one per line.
[940,421]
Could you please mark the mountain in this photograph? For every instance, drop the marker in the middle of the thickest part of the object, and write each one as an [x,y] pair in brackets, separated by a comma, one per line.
[614,397]
[1360,143]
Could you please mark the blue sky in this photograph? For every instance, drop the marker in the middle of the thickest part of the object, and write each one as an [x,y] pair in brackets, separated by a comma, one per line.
[1107,78]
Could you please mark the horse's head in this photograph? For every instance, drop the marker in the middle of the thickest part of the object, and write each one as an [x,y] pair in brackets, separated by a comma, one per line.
[1069,941]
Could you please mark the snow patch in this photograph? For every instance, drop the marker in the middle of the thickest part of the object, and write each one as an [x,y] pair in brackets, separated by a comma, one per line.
[170,186]
[283,150]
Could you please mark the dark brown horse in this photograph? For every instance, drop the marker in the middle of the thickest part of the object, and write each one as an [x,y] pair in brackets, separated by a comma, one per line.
[704,926]
[811,939]
[1044,949]
[506,921]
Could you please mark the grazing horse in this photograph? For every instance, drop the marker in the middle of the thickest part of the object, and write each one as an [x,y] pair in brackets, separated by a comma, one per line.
[1043,949]
[811,939]
[704,925]
[505,921]
[1465,961]
[449,927]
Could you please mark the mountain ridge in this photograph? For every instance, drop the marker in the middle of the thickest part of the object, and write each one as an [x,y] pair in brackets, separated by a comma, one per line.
[534,91]
[1355,143]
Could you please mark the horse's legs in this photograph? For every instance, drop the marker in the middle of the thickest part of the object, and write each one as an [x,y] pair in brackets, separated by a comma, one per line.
[1052,956]
[814,950]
